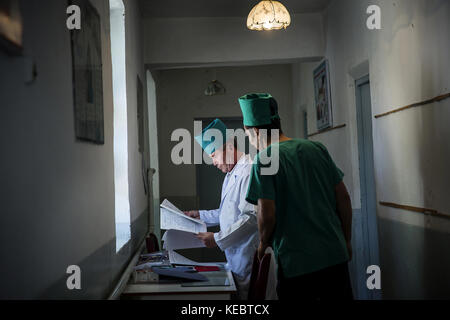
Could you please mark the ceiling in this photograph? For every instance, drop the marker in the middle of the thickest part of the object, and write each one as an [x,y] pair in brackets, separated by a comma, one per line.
[220,8]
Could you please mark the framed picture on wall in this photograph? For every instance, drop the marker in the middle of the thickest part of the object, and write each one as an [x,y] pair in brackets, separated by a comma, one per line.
[10,27]
[322,94]
[87,75]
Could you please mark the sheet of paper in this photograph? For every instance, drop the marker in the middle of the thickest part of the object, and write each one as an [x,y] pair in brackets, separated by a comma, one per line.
[173,218]
[177,239]
[176,258]
[169,205]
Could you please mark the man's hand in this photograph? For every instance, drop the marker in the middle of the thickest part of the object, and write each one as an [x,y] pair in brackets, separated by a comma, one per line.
[208,239]
[193,214]
[261,250]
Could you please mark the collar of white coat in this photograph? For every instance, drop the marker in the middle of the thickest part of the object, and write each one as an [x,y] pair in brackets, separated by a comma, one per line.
[244,160]
[231,176]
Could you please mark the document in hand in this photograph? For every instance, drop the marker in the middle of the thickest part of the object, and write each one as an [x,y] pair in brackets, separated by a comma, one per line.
[181,229]
[174,218]
[176,239]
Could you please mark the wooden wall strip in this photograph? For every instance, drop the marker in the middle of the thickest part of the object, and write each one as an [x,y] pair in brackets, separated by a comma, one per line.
[435,99]
[326,130]
[425,211]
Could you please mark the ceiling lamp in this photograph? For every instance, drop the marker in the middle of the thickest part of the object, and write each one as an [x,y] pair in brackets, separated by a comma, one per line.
[215,88]
[268,15]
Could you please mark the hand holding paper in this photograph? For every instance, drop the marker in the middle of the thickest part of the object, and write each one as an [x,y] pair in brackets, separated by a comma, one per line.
[174,218]
[176,239]
[208,239]
[192,213]
[181,229]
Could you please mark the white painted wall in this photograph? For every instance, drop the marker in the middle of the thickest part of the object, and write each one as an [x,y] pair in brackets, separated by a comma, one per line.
[212,40]
[408,62]
[181,99]
[303,95]
[57,194]
[303,91]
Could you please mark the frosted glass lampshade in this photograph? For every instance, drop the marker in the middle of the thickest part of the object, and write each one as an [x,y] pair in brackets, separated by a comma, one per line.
[268,15]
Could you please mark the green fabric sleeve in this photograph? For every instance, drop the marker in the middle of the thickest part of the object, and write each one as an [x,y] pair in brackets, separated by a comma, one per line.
[260,186]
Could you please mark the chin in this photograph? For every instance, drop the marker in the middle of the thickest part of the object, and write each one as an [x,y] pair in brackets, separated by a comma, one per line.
[224,169]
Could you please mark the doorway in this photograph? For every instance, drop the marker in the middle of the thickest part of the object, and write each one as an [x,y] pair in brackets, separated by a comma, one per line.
[369,227]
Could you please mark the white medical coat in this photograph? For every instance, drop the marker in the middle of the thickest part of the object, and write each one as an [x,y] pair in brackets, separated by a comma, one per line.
[238,236]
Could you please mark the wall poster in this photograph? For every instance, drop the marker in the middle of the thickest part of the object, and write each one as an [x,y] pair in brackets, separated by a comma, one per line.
[322,95]
[87,75]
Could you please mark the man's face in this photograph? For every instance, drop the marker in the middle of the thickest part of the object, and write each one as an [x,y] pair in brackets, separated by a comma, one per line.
[223,158]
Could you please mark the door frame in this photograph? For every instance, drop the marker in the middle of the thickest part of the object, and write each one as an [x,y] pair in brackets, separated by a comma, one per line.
[367,183]
[153,147]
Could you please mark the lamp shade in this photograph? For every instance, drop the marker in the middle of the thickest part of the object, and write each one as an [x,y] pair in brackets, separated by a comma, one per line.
[268,15]
[214,88]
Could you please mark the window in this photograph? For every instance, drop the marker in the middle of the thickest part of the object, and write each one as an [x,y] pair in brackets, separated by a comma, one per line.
[122,202]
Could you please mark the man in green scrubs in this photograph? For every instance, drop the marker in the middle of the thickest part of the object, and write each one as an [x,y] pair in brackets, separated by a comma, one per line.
[304,210]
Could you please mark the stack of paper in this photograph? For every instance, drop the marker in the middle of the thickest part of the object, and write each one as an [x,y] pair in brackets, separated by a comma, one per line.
[177,239]
[181,229]
[181,233]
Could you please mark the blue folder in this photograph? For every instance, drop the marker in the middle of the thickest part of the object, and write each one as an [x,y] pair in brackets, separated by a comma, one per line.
[180,272]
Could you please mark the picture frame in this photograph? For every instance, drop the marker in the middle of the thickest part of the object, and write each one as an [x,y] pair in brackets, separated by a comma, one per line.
[87,72]
[11,27]
[322,95]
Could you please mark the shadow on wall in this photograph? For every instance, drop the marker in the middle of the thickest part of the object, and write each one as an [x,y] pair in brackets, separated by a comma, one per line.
[416,257]
[415,254]
[98,278]
[434,142]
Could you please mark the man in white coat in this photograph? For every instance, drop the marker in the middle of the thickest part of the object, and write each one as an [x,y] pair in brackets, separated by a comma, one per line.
[238,236]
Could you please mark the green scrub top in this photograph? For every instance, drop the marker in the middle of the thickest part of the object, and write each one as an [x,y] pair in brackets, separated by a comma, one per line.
[308,234]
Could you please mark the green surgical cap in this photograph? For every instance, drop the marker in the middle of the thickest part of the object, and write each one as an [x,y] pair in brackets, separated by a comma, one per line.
[256,109]
[209,139]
